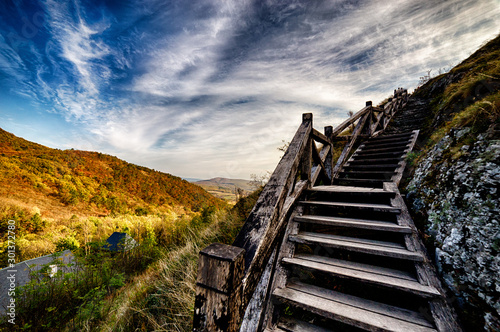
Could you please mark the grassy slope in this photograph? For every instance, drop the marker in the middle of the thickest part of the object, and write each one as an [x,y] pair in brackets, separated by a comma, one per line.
[162,298]
[466,96]
[84,196]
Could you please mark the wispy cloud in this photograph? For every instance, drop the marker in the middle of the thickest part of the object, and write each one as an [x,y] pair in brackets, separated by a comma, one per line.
[205,88]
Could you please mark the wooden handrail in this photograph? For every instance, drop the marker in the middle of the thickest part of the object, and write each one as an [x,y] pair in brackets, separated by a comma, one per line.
[301,167]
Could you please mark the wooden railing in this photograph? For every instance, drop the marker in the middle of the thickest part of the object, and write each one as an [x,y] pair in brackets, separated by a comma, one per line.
[229,276]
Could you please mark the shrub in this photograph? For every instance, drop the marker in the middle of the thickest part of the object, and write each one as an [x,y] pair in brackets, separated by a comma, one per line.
[67,243]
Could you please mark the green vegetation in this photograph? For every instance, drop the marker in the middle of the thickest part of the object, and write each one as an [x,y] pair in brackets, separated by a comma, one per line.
[68,199]
[75,200]
[467,96]
[151,287]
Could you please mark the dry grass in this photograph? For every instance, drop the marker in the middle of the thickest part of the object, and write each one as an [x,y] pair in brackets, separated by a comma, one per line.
[162,298]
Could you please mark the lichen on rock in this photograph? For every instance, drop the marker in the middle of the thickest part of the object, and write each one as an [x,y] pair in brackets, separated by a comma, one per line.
[458,197]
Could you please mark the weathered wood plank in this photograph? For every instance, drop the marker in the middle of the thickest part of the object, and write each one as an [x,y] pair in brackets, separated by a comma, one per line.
[359,266]
[370,154]
[256,308]
[347,189]
[263,224]
[400,148]
[329,162]
[369,275]
[378,248]
[347,149]
[368,315]
[376,161]
[319,158]
[287,249]
[442,312]
[355,223]
[290,324]
[340,128]
[372,207]
[396,178]
[219,289]
[318,136]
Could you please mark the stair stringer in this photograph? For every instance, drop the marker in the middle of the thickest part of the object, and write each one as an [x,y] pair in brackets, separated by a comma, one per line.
[443,314]
[287,249]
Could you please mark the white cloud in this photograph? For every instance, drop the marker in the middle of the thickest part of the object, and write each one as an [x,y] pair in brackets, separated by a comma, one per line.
[219,84]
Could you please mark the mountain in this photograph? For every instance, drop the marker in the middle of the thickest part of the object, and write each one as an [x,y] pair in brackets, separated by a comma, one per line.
[225,188]
[67,182]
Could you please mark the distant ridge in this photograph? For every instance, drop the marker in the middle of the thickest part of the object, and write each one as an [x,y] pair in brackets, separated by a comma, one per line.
[226,188]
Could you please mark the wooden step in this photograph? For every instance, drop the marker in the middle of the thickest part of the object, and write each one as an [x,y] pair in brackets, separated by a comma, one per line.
[375,175]
[391,149]
[375,161]
[387,142]
[368,166]
[368,155]
[378,183]
[361,206]
[370,172]
[354,223]
[351,190]
[382,145]
[387,137]
[352,310]
[373,247]
[289,324]
[363,273]
[350,194]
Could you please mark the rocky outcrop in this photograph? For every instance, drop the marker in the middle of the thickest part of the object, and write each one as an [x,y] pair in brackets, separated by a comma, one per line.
[454,194]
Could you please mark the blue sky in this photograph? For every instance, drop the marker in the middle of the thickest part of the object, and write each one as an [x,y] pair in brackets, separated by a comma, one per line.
[211,88]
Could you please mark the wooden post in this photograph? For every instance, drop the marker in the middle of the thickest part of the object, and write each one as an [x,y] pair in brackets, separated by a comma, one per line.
[218,302]
[306,161]
[329,157]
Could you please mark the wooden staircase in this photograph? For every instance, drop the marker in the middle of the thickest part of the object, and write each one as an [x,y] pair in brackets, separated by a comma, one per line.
[351,258]
[328,248]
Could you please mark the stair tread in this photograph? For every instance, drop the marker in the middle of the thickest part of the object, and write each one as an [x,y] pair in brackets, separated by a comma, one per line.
[361,180]
[383,145]
[347,189]
[352,310]
[385,160]
[364,273]
[369,172]
[378,138]
[290,324]
[366,175]
[387,142]
[359,266]
[367,154]
[355,223]
[371,166]
[375,207]
[374,247]
[389,149]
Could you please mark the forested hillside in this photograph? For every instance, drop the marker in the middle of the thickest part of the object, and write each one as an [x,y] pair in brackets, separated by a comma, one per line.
[89,180]
[64,199]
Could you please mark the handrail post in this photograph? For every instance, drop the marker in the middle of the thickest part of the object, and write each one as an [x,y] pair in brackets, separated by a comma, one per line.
[329,164]
[219,289]
[370,118]
[305,163]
